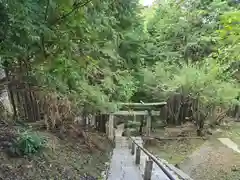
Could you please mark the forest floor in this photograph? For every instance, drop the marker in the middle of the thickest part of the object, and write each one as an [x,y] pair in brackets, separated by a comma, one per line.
[203,159]
[174,150]
[63,158]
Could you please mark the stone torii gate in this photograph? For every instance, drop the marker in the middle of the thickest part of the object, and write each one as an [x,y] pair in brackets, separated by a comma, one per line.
[145,109]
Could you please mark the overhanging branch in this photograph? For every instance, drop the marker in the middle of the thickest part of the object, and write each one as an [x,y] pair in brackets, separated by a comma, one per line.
[75,7]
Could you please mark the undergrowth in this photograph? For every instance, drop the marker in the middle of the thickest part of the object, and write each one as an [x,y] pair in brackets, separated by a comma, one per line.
[27,143]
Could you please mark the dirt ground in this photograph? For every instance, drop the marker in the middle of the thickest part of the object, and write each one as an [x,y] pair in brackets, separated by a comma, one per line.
[212,160]
[65,158]
[176,150]
[203,159]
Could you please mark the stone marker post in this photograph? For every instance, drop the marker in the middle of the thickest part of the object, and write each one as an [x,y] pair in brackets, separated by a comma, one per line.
[148,169]
[138,155]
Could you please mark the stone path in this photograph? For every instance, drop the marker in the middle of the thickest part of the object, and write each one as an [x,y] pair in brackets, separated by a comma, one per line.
[123,165]
[229,143]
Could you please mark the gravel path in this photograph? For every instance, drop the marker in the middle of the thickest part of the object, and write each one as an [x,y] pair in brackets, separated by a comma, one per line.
[213,160]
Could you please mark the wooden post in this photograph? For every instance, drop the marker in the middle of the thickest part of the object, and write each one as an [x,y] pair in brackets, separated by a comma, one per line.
[111,127]
[148,170]
[148,124]
[133,148]
[138,155]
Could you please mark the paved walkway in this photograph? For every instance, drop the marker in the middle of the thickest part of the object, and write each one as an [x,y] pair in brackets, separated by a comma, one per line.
[123,165]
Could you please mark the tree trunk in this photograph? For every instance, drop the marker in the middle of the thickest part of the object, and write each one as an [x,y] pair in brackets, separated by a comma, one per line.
[238,113]
[4,98]
[177,109]
[102,125]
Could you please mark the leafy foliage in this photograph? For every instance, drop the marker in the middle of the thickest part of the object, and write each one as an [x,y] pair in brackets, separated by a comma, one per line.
[193,51]
[74,47]
[98,53]
[183,31]
[28,143]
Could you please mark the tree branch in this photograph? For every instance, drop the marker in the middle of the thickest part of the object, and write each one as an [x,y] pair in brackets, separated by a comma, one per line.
[75,7]
[42,34]
[46,11]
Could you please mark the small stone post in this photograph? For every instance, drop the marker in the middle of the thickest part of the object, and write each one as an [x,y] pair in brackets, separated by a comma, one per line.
[134,117]
[138,155]
[111,127]
[107,128]
[133,148]
[129,143]
[148,124]
[148,169]
[93,120]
